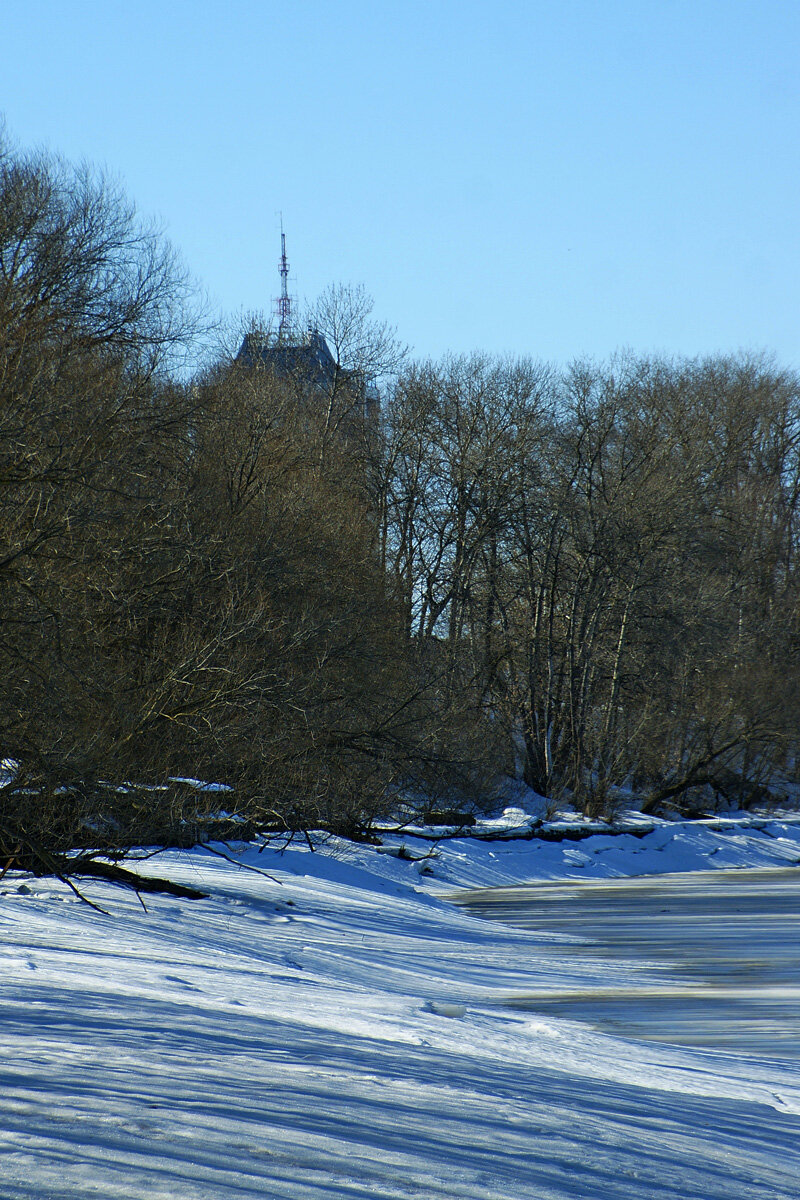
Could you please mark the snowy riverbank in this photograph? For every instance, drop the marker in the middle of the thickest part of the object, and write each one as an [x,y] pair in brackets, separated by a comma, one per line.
[339,1029]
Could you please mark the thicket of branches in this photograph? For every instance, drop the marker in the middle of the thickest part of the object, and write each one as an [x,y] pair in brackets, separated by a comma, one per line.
[588,576]
[189,582]
[609,555]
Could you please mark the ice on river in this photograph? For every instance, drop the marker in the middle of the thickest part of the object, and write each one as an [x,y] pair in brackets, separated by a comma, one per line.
[720,952]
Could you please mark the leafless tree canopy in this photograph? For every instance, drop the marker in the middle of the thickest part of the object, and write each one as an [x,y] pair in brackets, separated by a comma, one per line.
[587,576]
[610,556]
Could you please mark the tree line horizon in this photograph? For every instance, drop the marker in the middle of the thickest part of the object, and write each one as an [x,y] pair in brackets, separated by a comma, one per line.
[585,577]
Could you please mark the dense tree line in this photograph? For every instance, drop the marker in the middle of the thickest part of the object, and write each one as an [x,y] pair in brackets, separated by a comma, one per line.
[608,556]
[189,582]
[586,576]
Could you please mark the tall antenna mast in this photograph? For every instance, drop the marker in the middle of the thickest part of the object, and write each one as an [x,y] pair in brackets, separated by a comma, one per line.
[284,304]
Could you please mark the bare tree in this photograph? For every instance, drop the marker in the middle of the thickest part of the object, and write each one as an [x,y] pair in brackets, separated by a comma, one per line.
[93,310]
[367,356]
[613,556]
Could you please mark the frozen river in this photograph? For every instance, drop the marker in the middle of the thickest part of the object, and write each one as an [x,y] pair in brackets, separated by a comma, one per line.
[717,954]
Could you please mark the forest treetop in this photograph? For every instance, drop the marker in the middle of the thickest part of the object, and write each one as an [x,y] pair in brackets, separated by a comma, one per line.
[587,576]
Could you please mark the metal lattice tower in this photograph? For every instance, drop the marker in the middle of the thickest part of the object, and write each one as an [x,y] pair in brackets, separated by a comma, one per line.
[283,305]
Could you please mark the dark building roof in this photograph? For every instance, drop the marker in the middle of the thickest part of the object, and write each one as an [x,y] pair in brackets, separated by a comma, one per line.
[308,358]
[308,362]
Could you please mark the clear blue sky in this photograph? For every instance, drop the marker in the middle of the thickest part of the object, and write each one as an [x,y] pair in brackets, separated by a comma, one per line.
[550,177]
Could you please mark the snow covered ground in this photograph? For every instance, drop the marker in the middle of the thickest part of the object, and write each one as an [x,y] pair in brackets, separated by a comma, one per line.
[337,1028]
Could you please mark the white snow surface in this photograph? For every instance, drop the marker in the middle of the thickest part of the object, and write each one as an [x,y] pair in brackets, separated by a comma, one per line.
[338,1028]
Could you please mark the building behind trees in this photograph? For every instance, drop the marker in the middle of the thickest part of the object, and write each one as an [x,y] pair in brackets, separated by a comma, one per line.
[260,578]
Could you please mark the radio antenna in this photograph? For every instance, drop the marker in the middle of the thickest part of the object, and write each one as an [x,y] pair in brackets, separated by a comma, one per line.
[283,304]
